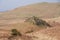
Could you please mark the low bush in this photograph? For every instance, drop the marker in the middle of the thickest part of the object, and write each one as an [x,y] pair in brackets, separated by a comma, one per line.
[37,21]
[15,32]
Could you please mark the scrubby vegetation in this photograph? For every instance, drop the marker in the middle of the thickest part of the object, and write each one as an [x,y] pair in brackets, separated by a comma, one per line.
[37,21]
[15,32]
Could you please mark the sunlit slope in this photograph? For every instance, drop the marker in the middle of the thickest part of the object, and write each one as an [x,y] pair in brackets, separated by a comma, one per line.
[43,10]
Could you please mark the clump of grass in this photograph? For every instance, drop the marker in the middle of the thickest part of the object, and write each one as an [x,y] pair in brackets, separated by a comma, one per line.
[15,33]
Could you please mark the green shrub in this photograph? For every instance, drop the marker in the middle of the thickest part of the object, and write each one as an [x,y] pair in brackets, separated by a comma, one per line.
[15,32]
[40,22]
[37,21]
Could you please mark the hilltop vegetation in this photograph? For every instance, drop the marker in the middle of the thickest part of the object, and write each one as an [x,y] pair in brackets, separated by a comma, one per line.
[37,21]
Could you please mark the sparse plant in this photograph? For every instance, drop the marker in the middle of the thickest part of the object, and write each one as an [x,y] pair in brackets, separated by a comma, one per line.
[15,32]
[39,22]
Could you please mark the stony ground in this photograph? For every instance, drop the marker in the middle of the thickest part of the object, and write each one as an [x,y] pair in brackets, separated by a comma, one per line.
[52,33]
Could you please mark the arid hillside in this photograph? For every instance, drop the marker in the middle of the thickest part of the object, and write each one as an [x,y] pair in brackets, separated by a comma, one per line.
[41,10]
[15,19]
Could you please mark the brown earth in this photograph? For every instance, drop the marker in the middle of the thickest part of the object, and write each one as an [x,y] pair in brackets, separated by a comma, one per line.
[15,19]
